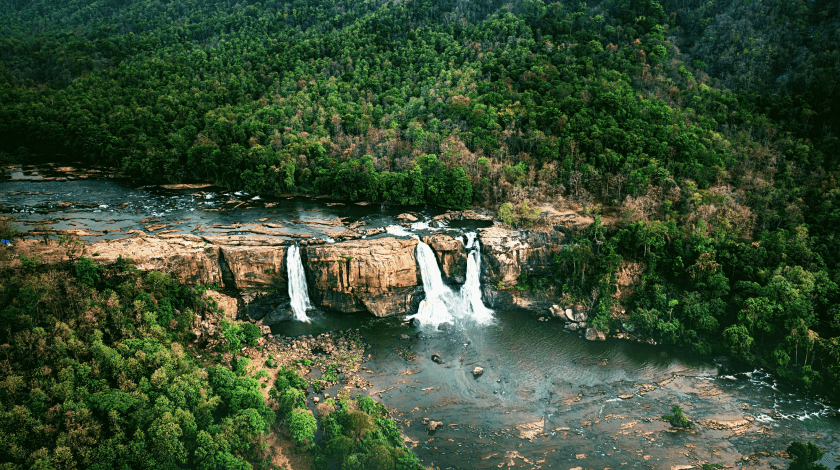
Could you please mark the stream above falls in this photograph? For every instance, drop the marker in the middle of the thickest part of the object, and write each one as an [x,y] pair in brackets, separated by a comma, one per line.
[546,399]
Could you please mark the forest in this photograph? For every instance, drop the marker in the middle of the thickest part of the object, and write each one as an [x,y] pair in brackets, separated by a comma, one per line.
[702,136]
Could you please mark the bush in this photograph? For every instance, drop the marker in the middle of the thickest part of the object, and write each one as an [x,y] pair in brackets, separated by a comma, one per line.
[87,272]
[677,419]
[302,425]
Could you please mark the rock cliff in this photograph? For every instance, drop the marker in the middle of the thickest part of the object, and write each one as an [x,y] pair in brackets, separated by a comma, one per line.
[507,253]
[380,276]
[451,257]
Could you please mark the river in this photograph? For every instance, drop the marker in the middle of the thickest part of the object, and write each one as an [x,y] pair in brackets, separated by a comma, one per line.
[547,398]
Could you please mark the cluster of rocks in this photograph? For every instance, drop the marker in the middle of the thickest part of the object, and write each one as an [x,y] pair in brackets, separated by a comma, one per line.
[342,351]
[576,319]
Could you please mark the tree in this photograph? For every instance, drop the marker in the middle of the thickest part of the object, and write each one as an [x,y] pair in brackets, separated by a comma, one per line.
[805,456]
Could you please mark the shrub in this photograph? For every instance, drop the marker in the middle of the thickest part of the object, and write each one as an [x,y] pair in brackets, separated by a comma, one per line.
[677,419]
[302,425]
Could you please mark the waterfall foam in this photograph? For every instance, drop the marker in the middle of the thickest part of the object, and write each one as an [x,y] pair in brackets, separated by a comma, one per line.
[471,290]
[298,290]
[442,304]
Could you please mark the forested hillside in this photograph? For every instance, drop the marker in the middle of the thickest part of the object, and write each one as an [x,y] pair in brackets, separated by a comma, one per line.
[706,131]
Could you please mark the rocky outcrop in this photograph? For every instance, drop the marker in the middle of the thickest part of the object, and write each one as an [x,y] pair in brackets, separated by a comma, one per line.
[380,276]
[593,334]
[255,267]
[451,257]
[189,259]
[511,253]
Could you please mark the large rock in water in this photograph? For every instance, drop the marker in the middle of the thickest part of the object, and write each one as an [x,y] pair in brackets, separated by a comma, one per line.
[380,276]
[511,253]
[451,257]
[592,334]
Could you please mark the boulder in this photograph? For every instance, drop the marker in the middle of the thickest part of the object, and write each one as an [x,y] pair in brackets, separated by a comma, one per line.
[580,316]
[436,358]
[557,312]
[592,334]
[406,217]
[451,257]
[433,425]
[478,371]
[570,314]
[380,276]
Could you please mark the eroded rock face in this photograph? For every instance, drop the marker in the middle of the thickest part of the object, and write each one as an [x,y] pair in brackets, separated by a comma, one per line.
[510,253]
[451,257]
[256,267]
[188,259]
[380,276]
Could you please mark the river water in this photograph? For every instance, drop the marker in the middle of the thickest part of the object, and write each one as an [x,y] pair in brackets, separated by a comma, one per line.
[547,398]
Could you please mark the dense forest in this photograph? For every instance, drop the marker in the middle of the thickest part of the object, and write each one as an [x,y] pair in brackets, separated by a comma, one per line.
[703,136]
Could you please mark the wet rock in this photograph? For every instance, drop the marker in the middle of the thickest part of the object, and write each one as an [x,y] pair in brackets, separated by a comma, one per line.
[478,371]
[571,326]
[444,326]
[414,323]
[592,334]
[406,217]
[433,425]
[626,396]
[316,399]
[557,312]
[436,358]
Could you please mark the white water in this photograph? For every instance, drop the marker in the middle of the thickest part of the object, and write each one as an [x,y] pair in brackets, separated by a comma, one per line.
[442,304]
[471,290]
[298,290]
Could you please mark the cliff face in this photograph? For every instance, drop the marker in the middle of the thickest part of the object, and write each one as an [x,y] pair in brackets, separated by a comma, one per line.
[380,276]
[451,257]
[511,253]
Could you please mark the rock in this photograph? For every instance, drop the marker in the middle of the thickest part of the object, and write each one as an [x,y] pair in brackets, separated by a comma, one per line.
[593,334]
[406,217]
[580,316]
[380,276]
[436,358]
[433,425]
[451,257]
[228,305]
[571,326]
[478,371]
[265,329]
[444,326]
[255,266]
[425,421]
[316,399]
[510,253]
[626,396]
[186,258]
[531,430]
[570,314]
[403,336]
[414,323]
[556,312]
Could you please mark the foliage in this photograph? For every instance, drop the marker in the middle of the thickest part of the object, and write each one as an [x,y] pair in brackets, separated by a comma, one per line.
[804,456]
[97,377]
[677,418]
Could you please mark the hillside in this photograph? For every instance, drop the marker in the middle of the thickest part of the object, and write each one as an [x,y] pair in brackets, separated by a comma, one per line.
[710,142]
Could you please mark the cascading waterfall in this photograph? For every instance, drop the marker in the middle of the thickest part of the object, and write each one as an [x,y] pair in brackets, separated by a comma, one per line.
[471,290]
[298,290]
[433,310]
[441,303]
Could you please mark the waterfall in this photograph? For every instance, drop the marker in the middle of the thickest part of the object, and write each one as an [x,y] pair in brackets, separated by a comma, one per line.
[441,303]
[471,290]
[433,310]
[298,290]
